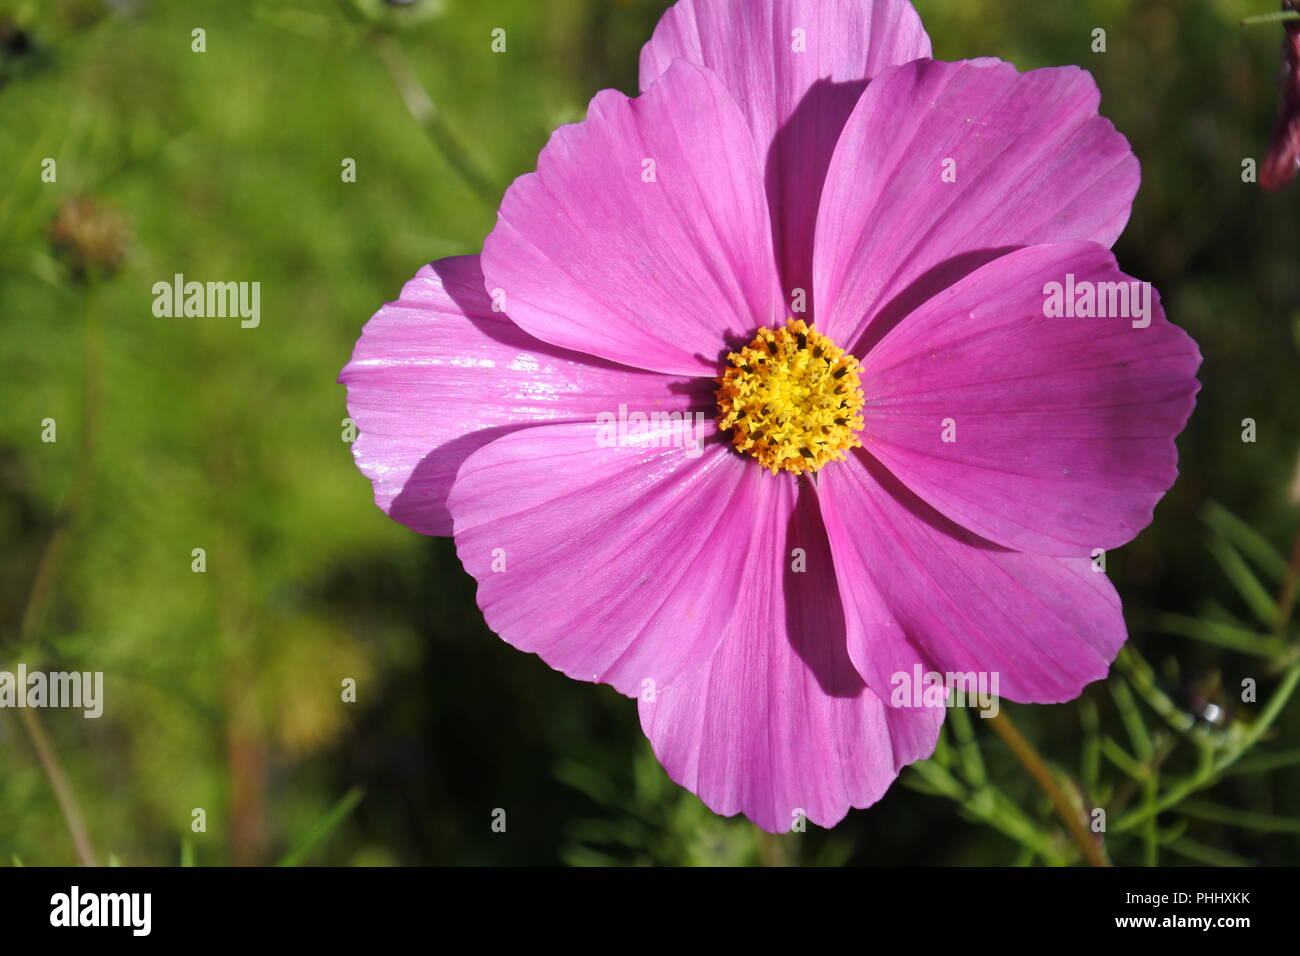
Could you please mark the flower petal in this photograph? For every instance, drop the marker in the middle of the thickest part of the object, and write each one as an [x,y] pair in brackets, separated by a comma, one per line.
[778,723]
[619,562]
[1053,435]
[796,89]
[643,237]
[919,589]
[1032,161]
[438,374]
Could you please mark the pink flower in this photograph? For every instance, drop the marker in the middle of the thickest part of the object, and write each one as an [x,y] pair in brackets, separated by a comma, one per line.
[934,223]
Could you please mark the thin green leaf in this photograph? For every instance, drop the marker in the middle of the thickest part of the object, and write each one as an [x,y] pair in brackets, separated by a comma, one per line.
[1132,717]
[1249,541]
[1263,763]
[1143,680]
[937,779]
[1247,819]
[1221,635]
[323,828]
[585,856]
[590,783]
[1120,758]
[1209,855]
[1243,579]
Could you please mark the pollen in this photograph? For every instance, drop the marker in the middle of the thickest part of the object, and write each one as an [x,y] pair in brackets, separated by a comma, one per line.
[792,399]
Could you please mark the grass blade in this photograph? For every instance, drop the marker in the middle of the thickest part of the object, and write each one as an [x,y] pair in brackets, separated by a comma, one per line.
[322,828]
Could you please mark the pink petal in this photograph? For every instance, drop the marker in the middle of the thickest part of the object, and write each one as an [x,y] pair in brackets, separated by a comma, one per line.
[1063,427]
[438,374]
[919,589]
[1034,163]
[796,103]
[778,723]
[655,275]
[620,562]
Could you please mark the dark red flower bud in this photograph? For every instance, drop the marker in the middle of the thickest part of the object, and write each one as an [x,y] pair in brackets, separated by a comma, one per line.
[1283,157]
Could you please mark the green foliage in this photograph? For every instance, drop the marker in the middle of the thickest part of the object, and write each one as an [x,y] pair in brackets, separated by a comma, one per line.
[1147,788]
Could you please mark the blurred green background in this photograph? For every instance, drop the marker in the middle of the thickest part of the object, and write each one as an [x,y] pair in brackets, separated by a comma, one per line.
[223,688]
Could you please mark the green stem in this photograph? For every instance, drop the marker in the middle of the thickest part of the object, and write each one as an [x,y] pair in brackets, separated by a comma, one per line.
[424,111]
[1005,728]
[1263,19]
[47,573]
[47,570]
[53,769]
[968,747]
[987,805]
[1213,768]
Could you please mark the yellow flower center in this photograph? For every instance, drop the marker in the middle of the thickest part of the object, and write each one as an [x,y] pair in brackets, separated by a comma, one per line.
[792,399]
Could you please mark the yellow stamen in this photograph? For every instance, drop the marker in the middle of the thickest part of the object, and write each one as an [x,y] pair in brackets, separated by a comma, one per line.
[792,399]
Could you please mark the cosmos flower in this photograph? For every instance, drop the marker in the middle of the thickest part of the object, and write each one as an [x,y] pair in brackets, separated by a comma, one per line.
[816,263]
